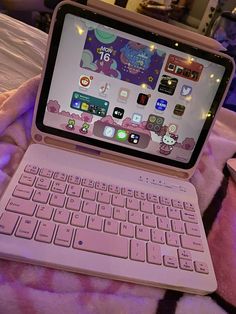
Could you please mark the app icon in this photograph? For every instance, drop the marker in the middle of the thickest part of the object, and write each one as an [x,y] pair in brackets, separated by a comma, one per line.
[76,103]
[167,85]
[133,138]
[161,104]
[118,113]
[186,91]
[171,67]
[154,123]
[84,106]
[109,131]
[123,94]
[172,128]
[137,118]
[85,81]
[121,135]
[104,88]
[179,110]
[142,99]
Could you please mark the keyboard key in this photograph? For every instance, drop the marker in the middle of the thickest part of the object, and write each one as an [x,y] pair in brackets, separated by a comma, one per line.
[164,200]
[189,206]
[101,186]
[43,183]
[27,179]
[184,254]
[153,198]
[89,207]
[26,227]
[88,182]
[149,220]
[160,210]
[135,217]
[140,195]
[41,196]
[114,188]
[44,212]
[59,187]
[192,229]
[177,226]
[154,253]
[62,216]
[95,223]
[103,197]
[73,203]
[61,176]
[74,179]
[78,220]
[163,223]
[120,213]
[127,229]
[103,243]
[189,217]
[21,206]
[111,226]
[64,236]
[74,190]
[127,192]
[57,200]
[8,222]
[185,264]
[146,207]
[191,243]
[158,236]
[178,204]
[23,191]
[132,203]
[201,267]
[89,194]
[46,173]
[118,200]
[137,250]
[170,261]
[142,233]
[45,231]
[104,210]
[31,169]
[172,239]
[173,213]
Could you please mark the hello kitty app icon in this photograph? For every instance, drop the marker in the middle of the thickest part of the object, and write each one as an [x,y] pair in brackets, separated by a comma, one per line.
[85,81]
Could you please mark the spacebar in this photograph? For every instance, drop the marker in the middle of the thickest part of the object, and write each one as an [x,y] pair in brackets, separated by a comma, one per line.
[102,243]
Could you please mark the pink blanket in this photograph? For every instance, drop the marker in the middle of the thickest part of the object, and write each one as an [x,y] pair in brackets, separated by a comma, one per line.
[26,289]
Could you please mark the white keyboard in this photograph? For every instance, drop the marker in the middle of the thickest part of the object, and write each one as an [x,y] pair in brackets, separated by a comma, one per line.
[58,209]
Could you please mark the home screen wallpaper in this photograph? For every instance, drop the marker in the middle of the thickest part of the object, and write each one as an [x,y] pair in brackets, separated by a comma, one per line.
[118,88]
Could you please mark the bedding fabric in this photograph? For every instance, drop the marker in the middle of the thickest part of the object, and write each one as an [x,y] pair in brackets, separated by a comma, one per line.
[22,49]
[27,289]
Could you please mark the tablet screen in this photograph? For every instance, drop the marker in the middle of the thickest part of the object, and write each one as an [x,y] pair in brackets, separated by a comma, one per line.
[128,90]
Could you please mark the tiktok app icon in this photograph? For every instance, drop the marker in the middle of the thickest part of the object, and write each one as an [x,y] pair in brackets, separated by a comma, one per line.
[104,89]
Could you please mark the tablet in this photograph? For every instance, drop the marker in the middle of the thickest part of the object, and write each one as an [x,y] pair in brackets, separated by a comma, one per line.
[124,89]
